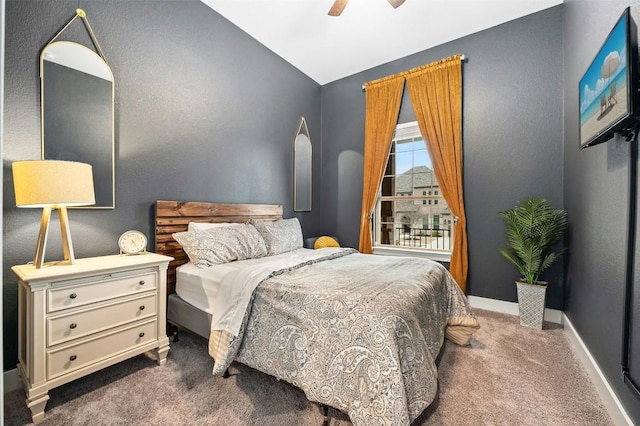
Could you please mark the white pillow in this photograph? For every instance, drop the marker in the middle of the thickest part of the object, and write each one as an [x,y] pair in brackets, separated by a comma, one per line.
[280,236]
[204,226]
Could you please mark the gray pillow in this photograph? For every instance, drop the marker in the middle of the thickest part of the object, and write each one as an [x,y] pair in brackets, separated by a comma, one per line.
[280,236]
[221,245]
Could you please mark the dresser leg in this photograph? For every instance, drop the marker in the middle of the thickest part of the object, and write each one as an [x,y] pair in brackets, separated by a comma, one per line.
[37,405]
[162,354]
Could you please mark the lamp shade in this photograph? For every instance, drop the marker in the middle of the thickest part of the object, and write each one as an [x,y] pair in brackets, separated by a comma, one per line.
[41,183]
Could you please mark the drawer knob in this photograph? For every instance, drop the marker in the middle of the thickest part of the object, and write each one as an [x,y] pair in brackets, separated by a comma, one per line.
[73,325]
[141,282]
[72,358]
[141,307]
[73,295]
[141,334]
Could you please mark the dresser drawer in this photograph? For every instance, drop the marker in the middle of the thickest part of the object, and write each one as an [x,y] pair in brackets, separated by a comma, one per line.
[81,323]
[70,358]
[106,287]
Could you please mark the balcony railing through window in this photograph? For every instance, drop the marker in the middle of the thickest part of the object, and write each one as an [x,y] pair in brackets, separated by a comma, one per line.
[434,238]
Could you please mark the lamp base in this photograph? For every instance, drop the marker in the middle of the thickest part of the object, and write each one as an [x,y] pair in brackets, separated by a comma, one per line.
[67,246]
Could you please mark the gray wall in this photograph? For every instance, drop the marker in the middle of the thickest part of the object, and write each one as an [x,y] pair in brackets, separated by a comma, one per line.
[203,112]
[597,199]
[512,139]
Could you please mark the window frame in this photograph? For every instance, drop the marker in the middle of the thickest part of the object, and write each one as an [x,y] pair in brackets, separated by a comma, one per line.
[406,131]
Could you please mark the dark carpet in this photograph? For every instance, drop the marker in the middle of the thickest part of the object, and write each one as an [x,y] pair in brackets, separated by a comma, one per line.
[509,375]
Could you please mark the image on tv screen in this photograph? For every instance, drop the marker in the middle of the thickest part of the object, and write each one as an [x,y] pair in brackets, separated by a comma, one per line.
[603,88]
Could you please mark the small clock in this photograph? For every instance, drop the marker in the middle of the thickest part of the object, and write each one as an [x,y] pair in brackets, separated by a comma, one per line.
[132,242]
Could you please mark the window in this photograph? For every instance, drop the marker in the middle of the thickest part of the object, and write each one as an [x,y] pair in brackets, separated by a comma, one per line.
[410,212]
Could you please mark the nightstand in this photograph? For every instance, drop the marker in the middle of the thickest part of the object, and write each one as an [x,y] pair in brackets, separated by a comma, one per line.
[76,319]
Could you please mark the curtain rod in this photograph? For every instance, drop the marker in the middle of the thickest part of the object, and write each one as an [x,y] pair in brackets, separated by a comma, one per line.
[462,59]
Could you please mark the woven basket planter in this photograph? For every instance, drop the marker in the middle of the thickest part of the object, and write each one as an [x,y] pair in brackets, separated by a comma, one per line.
[531,303]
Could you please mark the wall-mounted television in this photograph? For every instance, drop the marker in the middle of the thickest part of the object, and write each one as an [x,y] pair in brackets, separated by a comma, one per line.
[608,89]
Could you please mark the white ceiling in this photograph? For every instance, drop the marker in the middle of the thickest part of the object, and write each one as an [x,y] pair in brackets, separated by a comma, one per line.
[368,33]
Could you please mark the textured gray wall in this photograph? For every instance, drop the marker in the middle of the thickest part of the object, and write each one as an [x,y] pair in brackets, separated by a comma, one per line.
[512,139]
[597,199]
[203,112]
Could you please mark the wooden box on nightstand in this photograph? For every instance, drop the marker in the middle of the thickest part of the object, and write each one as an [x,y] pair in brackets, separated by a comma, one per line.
[77,319]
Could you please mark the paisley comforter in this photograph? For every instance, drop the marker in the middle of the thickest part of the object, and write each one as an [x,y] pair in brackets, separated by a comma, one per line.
[357,332]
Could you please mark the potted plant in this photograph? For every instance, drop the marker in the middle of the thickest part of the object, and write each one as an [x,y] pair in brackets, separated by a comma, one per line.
[533,230]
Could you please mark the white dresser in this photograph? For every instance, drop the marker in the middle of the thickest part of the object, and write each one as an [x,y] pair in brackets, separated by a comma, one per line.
[77,319]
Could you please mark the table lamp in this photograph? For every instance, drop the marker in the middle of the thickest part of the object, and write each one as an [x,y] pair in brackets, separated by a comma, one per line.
[52,184]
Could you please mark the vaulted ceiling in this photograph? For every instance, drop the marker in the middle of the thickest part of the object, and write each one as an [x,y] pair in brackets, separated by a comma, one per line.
[368,33]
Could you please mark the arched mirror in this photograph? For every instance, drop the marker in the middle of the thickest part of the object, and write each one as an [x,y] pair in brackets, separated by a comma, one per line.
[77,91]
[302,155]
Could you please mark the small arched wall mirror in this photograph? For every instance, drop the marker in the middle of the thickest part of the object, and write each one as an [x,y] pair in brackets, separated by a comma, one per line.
[302,156]
[77,112]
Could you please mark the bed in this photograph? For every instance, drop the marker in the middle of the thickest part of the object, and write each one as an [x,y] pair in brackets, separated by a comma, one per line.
[356,332]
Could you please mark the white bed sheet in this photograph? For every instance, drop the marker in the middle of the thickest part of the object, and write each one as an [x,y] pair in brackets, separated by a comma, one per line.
[199,286]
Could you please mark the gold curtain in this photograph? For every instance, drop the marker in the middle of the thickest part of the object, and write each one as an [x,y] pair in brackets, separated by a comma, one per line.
[383,99]
[436,94]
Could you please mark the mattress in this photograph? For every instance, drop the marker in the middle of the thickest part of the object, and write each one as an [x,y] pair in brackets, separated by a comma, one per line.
[198,286]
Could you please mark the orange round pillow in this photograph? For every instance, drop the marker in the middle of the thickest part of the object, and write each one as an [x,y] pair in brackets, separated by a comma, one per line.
[325,241]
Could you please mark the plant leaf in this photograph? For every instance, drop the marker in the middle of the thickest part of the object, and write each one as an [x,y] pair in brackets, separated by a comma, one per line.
[534,228]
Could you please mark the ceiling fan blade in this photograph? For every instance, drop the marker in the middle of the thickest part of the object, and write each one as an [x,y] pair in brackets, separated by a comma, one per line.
[396,3]
[337,7]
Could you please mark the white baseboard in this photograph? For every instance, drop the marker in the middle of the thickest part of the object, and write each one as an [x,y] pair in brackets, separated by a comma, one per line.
[617,412]
[11,381]
[607,395]
[551,315]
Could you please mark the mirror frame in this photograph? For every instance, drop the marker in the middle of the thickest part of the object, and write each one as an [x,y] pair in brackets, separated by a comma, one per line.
[77,56]
[302,157]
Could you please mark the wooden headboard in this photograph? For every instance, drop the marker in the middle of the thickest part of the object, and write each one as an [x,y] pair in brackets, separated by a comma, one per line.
[174,216]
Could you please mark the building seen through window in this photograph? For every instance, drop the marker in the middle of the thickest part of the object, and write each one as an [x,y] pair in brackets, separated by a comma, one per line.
[410,210]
